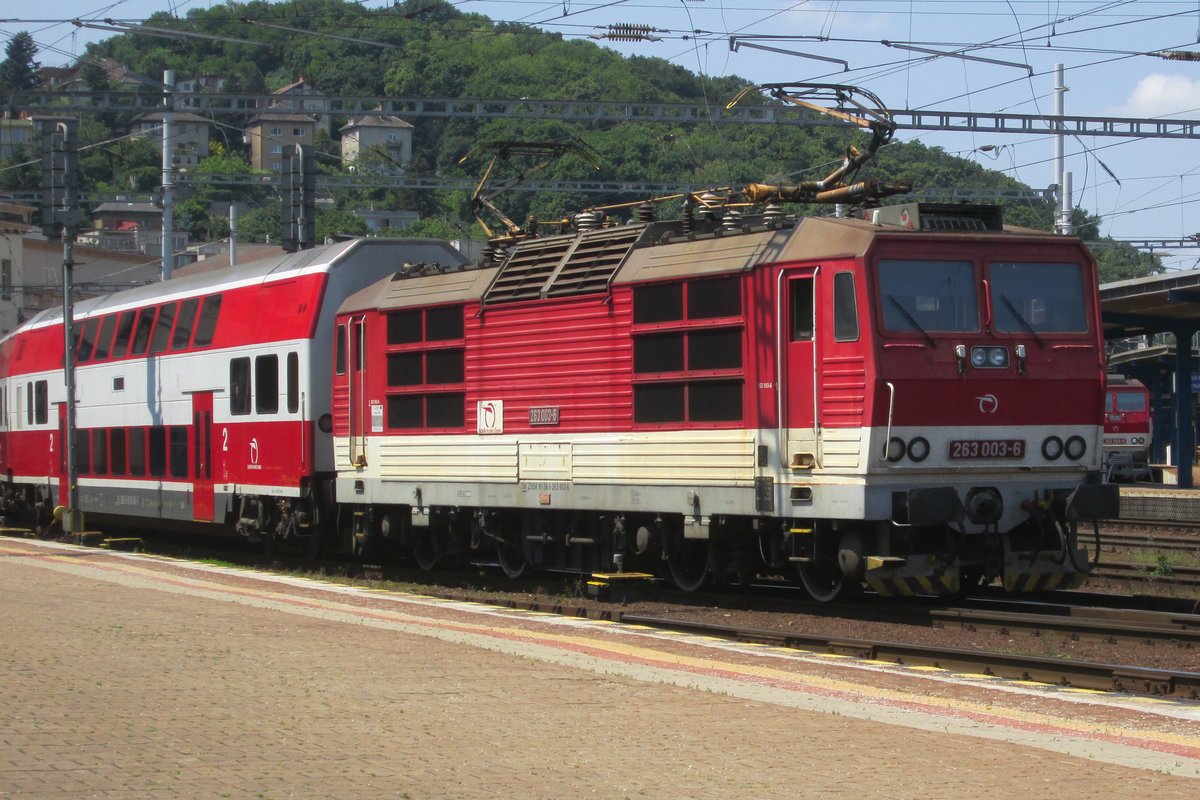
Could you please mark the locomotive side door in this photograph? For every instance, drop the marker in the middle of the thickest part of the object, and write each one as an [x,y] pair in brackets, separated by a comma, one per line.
[203,498]
[358,391]
[797,384]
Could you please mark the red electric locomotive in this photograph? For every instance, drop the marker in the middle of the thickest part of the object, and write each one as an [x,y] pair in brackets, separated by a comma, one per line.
[1126,428]
[911,400]
[201,400]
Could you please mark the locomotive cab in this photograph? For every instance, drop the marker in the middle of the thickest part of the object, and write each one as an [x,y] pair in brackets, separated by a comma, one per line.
[959,377]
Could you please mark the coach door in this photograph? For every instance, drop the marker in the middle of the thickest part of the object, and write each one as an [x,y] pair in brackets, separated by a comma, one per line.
[57,457]
[796,385]
[202,453]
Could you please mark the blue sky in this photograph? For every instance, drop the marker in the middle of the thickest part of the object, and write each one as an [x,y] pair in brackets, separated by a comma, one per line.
[1143,188]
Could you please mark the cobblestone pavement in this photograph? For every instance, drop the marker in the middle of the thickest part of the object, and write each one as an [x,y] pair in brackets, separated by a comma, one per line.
[133,677]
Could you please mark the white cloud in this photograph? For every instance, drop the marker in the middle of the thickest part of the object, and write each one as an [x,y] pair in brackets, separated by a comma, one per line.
[1159,95]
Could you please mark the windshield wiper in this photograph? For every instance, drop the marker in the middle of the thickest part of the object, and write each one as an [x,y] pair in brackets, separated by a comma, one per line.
[1024,322]
[912,320]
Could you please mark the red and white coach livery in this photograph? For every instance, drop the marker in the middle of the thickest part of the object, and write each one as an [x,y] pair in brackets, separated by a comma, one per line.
[204,399]
[912,400]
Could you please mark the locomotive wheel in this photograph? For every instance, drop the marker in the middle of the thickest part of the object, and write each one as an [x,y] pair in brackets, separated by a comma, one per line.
[427,549]
[688,562]
[823,580]
[512,558]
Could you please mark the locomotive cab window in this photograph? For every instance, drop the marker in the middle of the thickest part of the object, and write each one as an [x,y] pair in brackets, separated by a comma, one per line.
[845,308]
[800,293]
[922,296]
[1038,297]
[339,357]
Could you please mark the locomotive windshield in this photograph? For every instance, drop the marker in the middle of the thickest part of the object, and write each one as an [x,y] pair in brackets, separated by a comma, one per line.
[923,296]
[1037,297]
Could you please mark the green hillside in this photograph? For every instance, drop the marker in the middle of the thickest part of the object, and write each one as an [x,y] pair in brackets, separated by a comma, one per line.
[427,48]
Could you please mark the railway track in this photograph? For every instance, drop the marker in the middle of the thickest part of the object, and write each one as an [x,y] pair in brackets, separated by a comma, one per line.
[1172,625]
[1062,672]
[1162,573]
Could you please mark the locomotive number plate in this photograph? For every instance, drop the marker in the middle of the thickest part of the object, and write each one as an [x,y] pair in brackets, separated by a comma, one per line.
[987,448]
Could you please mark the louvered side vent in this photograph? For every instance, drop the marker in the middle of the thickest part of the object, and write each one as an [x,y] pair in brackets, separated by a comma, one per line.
[591,263]
[20,349]
[525,272]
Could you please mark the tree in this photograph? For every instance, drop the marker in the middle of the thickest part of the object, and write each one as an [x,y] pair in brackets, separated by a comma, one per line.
[18,71]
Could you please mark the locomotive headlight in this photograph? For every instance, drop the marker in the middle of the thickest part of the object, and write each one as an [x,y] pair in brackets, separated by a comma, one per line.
[1052,448]
[989,357]
[918,448]
[1076,447]
[895,449]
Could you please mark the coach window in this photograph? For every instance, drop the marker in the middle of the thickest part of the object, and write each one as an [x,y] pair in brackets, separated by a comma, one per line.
[87,340]
[116,444]
[137,451]
[107,325]
[41,402]
[28,403]
[206,325]
[158,451]
[162,329]
[266,384]
[142,331]
[124,332]
[83,451]
[179,451]
[183,326]
[293,383]
[100,452]
[340,354]
[845,308]
[239,386]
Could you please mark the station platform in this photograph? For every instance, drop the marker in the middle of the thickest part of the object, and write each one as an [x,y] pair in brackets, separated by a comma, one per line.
[1158,502]
[127,675]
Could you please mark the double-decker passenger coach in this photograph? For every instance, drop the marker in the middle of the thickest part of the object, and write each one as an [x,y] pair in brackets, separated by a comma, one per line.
[205,399]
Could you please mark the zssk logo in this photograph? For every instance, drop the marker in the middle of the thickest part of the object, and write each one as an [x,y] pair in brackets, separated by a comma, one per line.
[988,404]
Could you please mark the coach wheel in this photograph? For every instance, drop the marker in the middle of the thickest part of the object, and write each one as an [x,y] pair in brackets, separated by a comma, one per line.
[823,579]
[427,548]
[688,562]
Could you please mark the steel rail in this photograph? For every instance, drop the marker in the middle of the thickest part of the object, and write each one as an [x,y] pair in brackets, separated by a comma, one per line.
[1061,672]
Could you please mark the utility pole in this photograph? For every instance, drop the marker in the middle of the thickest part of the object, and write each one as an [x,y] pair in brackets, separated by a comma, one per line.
[168,173]
[1062,178]
[58,147]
